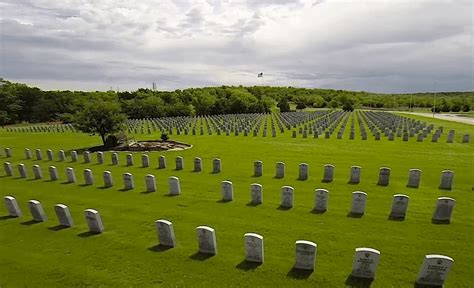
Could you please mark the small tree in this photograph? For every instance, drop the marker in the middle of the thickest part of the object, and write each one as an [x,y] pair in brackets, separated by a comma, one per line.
[284,105]
[100,117]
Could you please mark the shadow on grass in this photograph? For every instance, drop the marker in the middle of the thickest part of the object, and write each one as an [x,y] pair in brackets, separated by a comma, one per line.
[395,218]
[299,273]
[255,176]
[47,181]
[318,211]
[104,187]
[252,204]
[171,195]
[58,228]
[87,234]
[412,187]
[354,215]
[6,217]
[199,256]
[159,248]
[248,265]
[19,177]
[4,176]
[326,181]
[440,222]
[283,208]
[125,189]
[352,183]
[30,222]
[34,179]
[67,182]
[84,185]
[147,192]
[416,285]
[445,189]
[223,201]
[358,282]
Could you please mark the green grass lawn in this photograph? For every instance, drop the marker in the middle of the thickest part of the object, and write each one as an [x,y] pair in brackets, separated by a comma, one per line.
[37,256]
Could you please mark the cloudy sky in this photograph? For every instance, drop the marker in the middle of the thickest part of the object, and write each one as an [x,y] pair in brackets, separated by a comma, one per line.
[380,46]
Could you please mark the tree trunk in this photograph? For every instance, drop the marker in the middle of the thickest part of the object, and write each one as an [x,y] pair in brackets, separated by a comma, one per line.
[103,138]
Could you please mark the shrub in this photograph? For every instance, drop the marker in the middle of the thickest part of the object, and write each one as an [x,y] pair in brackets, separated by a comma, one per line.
[164,137]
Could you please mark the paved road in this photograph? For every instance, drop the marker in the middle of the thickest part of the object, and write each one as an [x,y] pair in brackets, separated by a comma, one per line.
[449,117]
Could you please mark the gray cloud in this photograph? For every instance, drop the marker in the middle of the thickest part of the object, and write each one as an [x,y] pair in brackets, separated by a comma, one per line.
[374,46]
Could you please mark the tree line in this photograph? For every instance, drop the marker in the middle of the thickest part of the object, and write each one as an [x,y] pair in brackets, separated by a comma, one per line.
[22,103]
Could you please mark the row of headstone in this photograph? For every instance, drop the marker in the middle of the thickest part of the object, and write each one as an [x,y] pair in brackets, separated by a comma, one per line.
[433,271]
[414,175]
[63,214]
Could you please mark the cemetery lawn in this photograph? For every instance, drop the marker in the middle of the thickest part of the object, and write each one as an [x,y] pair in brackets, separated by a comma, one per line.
[125,255]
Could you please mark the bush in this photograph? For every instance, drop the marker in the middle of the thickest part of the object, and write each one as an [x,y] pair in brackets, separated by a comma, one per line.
[466,108]
[164,137]
[437,109]
[111,141]
[455,108]
[347,106]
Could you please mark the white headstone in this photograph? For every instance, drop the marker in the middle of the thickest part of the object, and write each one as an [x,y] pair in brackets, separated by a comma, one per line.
[161,162]
[399,206]
[129,158]
[365,262]
[50,155]
[22,170]
[227,191]
[61,155]
[108,181]
[444,209]
[12,206]
[128,181]
[287,196]
[305,256]
[53,173]
[254,251]
[73,156]
[216,165]
[8,152]
[355,174]
[8,168]
[175,188]
[434,270]
[150,183]
[414,178]
[359,200]
[328,173]
[88,177]
[179,163]
[257,168]
[321,197]
[94,221]
[256,193]
[280,169]
[165,232]
[197,164]
[64,215]
[39,155]
[36,210]
[71,176]
[145,160]
[87,157]
[206,240]
[37,172]
[100,157]
[303,171]
[384,176]
[446,180]
[115,158]
[27,153]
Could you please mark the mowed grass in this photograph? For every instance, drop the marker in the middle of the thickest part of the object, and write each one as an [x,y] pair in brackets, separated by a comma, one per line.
[36,255]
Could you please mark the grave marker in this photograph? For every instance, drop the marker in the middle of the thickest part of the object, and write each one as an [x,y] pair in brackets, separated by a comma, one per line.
[384,176]
[328,173]
[88,177]
[257,168]
[414,178]
[399,206]
[22,170]
[150,183]
[165,233]
[161,162]
[365,262]
[254,251]
[321,197]
[71,177]
[443,210]
[305,255]
[227,191]
[359,200]
[36,210]
[174,186]
[37,172]
[256,193]
[108,181]
[303,171]
[94,221]
[280,170]
[128,181]
[8,168]
[12,206]
[64,215]
[446,180]
[179,163]
[145,161]
[53,173]
[434,270]
[197,164]
[206,240]
[287,197]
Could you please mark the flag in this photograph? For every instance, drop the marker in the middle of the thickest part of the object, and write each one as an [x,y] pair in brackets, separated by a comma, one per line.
[260,74]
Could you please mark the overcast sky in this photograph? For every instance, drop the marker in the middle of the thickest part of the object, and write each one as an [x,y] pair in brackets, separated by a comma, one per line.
[380,46]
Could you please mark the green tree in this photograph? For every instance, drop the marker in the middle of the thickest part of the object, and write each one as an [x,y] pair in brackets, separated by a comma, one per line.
[101,117]
[284,105]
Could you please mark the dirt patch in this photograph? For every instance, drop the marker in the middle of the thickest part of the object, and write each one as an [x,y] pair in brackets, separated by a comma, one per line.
[150,145]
